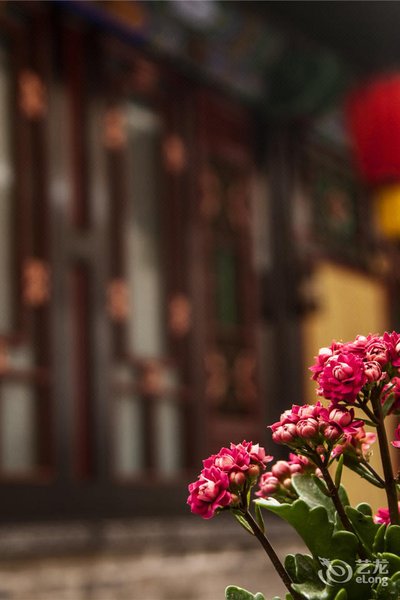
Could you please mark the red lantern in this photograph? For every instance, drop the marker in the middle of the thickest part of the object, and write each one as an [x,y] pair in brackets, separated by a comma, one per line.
[373,112]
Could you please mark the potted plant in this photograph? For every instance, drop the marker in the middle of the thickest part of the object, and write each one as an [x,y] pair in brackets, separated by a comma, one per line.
[353,554]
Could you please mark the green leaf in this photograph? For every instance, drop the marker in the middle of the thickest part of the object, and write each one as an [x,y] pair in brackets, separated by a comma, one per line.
[313,491]
[339,470]
[343,496]
[356,590]
[305,569]
[236,593]
[310,491]
[364,526]
[313,591]
[393,562]
[290,566]
[320,483]
[315,529]
[259,518]
[389,590]
[388,404]
[341,595]
[392,539]
[302,568]
[239,517]
[379,541]
[365,509]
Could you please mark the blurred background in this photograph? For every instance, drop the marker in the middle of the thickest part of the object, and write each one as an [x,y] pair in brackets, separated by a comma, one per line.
[195,196]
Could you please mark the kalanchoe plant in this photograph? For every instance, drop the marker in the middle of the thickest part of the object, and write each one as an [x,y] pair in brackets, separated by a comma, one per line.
[354,555]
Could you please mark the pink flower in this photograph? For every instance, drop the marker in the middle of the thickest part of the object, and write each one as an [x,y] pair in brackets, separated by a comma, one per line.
[230,459]
[318,429]
[307,428]
[382,516]
[317,411]
[281,469]
[358,346]
[240,463]
[331,431]
[301,464]
[396,443]
[237,478]
[278,482]
[209,493]
[366,441]
[297,413]
[341,416]
[342,378]
[338,450]
[284,434]
[256,453]
[376,350]
[326,431]
[324,355]
[373,371]
[357,441]
[268,485]
[392,343]
[291,415]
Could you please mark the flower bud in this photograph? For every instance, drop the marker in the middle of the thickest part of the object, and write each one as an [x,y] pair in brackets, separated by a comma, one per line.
[307,411]
[295,468]
[307,428]
[285,434]
[253,470]
[237,478]
[234,499]
[341,417]
[342,371]
[373,371]
[377,352]
[269,486]
[331,431]
[281,469]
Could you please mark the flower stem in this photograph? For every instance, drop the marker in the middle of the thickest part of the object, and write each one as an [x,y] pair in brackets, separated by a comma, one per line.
[363,406]
[334,494]
[373,472]
[390,482]
[272,555]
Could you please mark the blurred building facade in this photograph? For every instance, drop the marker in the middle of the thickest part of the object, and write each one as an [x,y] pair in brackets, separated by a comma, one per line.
[179,237]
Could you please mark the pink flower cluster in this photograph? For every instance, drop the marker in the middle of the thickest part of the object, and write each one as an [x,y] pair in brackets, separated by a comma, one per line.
[358,444]
[316,428]
[343,369]
[277,483]
[382,516]
[224,476]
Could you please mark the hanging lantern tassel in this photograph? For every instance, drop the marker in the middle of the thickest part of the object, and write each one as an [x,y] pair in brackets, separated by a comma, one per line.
[387,208]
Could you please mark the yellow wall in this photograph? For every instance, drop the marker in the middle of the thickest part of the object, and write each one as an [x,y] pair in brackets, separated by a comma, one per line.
[350,303]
